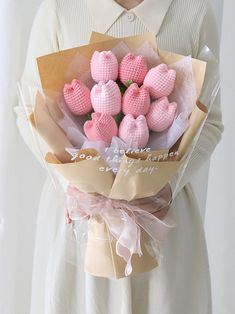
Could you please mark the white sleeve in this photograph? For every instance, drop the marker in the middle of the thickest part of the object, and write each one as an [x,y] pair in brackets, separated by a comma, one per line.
[43,40]
[213,128]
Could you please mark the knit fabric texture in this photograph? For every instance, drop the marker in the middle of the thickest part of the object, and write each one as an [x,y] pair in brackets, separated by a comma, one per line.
[104,66]
[161,114]
[77,97]
[134,132]
[102,127]
[132,68]
[106,98]
[136,100]
[160,80]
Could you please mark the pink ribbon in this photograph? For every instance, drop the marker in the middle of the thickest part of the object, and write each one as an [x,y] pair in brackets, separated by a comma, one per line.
[124,221]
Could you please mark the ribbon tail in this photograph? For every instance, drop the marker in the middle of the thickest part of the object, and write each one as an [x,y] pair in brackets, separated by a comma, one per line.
[127,237]
[157,229]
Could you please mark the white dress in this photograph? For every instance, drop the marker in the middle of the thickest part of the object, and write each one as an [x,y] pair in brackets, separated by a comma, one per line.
[181,285]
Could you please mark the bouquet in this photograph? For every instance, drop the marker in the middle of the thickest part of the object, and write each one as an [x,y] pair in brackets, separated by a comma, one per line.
[116,121]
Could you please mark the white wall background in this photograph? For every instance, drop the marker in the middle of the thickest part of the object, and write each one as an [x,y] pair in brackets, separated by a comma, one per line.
[19,212]
[20,174]
[218,9]
[220,214]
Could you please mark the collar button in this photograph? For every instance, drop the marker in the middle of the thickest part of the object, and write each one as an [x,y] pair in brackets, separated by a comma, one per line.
[130,16]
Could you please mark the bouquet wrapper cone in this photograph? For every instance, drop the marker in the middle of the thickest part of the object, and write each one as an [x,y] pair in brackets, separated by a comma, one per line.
[137,177]
[101,259]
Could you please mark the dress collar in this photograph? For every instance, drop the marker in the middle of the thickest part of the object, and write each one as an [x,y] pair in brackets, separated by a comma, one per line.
[150,12]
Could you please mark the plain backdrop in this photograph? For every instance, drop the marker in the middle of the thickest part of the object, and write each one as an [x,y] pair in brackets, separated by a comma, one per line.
[220,209]
[22,177]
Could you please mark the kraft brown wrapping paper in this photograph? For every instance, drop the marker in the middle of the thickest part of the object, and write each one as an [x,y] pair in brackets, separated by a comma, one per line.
[85,175]
[45,125]
[141,179]
[134,180]
[109,264]
[196,120]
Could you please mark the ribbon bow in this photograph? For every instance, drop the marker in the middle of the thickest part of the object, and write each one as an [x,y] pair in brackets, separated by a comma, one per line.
[123,220]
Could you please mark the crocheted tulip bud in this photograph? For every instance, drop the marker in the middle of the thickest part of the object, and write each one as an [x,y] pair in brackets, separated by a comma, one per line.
[104,66]
[77,98]
[161,114]
[136,101]
[132,68]
[134,132]
[106,98]
[102,127]
[160,81]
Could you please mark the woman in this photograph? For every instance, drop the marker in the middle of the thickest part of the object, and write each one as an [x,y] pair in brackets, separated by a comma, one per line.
[181,285]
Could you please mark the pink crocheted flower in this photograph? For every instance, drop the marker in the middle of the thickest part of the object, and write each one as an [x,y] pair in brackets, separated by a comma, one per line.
[106,98]
[77,97]
[134,132]
[104,66]
[132,68]
[161,114]
[102,127]
[136,100]
[160,81]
